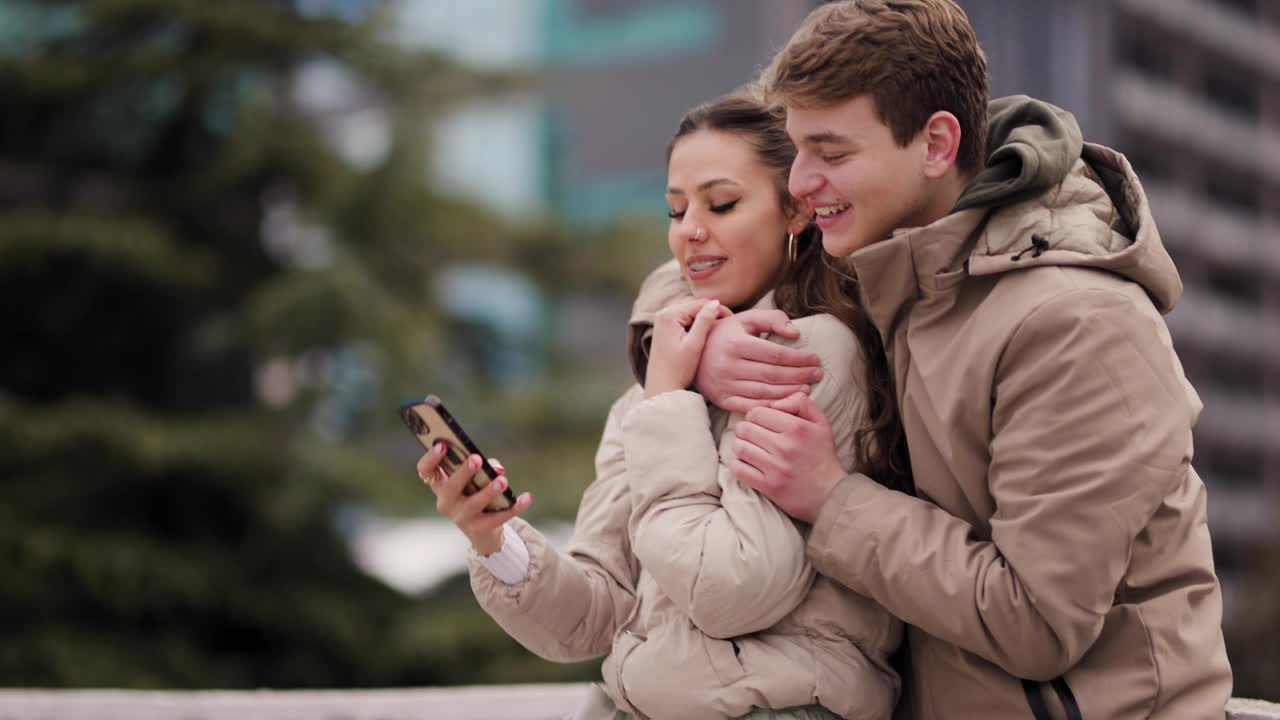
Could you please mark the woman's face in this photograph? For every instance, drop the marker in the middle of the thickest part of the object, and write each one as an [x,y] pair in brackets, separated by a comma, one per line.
[728,228]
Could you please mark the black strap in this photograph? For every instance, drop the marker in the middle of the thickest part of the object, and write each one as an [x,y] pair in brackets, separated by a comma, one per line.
[1060,687]
[1035,700]
[1067,698]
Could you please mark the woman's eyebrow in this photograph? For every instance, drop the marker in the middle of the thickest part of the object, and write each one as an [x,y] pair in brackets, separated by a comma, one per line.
[704,186]
[717,181]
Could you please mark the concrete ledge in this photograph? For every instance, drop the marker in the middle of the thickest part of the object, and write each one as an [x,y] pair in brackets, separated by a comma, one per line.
[1242,709]
[492,702]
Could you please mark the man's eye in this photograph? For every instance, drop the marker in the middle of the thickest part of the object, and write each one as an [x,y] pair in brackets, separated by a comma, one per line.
[834,157]
[675,214]
[724,207]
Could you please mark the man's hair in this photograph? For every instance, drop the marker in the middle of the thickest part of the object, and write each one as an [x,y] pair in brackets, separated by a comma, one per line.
[912,57]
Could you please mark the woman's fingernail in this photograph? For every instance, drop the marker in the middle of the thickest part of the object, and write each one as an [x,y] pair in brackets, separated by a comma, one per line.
[501,483]
[712,304]
[473,462]
[438,448]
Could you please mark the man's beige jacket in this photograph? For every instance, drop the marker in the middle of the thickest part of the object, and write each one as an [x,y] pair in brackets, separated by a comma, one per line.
[1060,531]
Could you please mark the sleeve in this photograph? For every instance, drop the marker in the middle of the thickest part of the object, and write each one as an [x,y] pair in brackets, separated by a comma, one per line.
[511,563]
[1091,429]
[702,535]
[571,604]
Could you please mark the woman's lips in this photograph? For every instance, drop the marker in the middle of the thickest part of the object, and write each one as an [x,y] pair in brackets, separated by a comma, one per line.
[701,268]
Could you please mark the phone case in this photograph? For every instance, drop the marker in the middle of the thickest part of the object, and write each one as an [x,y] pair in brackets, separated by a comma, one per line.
[430,422]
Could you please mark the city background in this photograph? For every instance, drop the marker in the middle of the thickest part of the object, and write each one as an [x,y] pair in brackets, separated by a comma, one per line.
[234,236]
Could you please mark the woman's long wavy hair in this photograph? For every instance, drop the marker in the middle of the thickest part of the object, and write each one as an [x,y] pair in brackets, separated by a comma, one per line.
[811,286]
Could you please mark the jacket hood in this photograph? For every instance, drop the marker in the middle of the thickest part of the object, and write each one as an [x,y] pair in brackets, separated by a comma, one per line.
[1098,217]
[1035,146]
[1060,201]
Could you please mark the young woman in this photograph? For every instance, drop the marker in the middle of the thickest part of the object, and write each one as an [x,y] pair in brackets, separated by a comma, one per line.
[695,586]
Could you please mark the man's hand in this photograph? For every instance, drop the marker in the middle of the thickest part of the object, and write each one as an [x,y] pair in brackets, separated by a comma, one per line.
[740,371]
[787,452]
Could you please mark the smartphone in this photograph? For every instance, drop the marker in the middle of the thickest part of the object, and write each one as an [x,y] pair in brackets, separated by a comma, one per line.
[431,423]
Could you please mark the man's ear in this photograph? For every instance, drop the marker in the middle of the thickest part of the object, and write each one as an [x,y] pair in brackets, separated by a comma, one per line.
[941,134]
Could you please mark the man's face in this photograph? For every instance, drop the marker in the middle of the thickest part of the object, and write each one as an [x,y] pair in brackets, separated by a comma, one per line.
[859,183]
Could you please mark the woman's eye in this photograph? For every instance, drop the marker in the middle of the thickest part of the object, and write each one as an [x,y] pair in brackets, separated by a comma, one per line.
[675,214]
[724,207]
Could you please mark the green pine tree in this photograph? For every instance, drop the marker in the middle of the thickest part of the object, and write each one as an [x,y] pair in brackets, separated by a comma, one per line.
[179,241]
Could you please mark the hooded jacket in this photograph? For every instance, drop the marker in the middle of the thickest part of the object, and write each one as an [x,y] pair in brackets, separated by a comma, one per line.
[1060,535]
[698,588]
[1056,562]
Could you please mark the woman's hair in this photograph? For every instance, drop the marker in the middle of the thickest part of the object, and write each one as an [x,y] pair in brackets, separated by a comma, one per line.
[810,285]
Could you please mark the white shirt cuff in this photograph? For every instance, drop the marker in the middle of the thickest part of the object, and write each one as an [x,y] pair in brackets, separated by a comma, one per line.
[510,565]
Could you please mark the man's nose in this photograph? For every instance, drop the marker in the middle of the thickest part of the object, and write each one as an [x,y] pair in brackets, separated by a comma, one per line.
[802,181]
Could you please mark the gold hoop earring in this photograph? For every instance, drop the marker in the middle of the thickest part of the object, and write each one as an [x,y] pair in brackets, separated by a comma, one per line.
[791,247]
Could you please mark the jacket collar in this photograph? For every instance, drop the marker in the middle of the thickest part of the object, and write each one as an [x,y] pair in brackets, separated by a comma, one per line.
[893,273]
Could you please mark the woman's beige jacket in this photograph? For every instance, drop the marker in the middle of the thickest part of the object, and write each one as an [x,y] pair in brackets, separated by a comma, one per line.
[696,587]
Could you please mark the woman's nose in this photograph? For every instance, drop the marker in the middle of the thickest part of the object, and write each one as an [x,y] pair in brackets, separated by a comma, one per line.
[691,230]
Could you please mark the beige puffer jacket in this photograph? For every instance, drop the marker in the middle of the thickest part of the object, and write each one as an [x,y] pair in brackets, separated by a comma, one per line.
[696,587]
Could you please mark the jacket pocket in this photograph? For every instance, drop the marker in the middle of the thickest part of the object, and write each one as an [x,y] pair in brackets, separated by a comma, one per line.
[613,669]
[1117,678]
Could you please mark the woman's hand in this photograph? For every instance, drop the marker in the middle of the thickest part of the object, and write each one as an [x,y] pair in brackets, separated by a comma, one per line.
[679,334]
[483,529]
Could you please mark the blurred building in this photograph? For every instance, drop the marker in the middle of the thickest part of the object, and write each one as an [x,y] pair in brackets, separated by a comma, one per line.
[588,143]
[1189,90]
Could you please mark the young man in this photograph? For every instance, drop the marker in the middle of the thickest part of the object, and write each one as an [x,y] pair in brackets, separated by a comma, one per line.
[1055,561]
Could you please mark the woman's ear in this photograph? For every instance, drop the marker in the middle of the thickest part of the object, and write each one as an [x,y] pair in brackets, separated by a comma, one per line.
[798,218]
